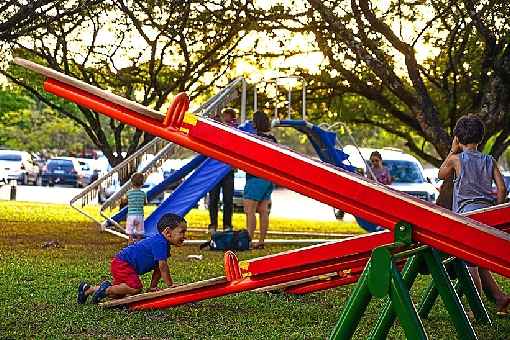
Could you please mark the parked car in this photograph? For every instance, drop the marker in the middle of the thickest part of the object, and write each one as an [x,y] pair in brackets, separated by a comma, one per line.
[431,176]
[20,166]
[406,171]
[239,183]
[506,178]
[4,177]
[90,171]
[64,170]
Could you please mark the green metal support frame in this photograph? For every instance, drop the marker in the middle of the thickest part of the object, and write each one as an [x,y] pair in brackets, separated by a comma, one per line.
[381,278]
[465,286]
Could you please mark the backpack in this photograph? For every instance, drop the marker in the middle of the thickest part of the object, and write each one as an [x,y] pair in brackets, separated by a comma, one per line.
[228,240]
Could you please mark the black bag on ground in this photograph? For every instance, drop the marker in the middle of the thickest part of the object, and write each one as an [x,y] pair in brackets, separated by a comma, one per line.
[228,240]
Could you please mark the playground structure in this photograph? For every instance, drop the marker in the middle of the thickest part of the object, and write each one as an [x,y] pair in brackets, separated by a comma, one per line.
[419,228]
[160,150]
[201,175]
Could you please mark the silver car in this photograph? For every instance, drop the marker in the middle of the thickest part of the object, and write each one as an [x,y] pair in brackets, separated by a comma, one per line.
[20,166]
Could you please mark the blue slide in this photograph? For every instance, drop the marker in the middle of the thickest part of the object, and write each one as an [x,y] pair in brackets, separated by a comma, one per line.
[158,189]
[208,173]
[186,196]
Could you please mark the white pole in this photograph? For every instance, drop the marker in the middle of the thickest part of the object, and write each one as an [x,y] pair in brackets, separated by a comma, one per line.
[290,97]
[243,102]
[276,100]
[304,100]
[255,97]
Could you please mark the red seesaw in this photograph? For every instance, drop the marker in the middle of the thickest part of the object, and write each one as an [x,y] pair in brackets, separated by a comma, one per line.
[466,238]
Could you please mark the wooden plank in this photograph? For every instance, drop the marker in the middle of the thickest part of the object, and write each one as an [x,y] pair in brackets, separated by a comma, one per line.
[277,241]
[165,292]
[288,233]
[50,73]
[285,285]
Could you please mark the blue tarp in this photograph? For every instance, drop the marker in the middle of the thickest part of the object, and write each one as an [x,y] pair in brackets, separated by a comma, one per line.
[324,144]
[186,196]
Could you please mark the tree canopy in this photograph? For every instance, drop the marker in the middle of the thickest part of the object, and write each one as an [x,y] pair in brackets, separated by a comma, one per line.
[410,69]
[144,51]
[372,53]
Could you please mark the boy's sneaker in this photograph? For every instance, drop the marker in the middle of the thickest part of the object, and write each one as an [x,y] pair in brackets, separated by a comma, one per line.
[100,293]
[82,289]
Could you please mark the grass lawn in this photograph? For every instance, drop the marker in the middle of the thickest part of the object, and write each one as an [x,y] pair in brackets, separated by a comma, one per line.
[38,288]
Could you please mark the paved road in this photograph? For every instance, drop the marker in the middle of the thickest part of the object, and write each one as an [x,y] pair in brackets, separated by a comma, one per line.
[40,194]
[286,203]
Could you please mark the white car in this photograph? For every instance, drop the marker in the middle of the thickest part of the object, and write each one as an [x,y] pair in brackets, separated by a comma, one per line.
[431,176]
[406,170]
[239,183]
[20,166]
[4,177]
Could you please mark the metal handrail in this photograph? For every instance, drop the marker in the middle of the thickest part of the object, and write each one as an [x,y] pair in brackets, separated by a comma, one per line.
[369,168]
[149,168]
[154,164]
[91,192]
[220,98]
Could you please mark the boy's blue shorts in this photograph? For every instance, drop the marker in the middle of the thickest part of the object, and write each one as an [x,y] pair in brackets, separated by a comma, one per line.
[257,189]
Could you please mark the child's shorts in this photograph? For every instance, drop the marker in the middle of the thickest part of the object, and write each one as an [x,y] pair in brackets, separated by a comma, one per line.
[134,225]
[122,272]
[257,189]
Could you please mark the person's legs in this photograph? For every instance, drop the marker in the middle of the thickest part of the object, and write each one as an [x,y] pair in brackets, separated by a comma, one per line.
[121,290]
[228,200]
[476,278]
[131,222]
[214,198]
[116,291]
[125,281]
[263,210]
[490,285]
[250,207]
[139,229]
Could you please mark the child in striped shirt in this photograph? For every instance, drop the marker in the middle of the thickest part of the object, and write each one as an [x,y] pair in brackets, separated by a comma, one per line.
[136,200]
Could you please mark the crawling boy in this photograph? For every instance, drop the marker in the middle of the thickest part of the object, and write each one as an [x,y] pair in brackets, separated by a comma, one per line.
[150,254]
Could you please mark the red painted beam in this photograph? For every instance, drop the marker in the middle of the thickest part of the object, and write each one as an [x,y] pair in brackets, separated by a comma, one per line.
[350,254]
[317,286]
[248,283]
[498,216]
[448,232]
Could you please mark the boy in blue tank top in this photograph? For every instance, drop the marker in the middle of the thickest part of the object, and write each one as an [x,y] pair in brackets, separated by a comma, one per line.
[147,255]
[474,173]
